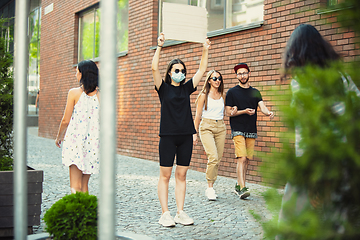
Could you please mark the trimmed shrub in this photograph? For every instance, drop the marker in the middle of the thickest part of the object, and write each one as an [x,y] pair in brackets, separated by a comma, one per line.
[73,217]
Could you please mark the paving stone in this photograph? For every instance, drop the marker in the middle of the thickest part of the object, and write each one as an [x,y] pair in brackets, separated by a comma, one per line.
[137,206]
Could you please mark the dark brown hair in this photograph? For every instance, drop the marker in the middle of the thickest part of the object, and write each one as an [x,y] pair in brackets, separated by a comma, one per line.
[89,75]
[307,46]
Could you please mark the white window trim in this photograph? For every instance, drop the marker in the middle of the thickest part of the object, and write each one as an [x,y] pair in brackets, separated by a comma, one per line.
[216,33]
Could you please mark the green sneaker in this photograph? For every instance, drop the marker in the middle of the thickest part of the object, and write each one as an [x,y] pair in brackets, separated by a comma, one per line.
[237,190]
[244,193]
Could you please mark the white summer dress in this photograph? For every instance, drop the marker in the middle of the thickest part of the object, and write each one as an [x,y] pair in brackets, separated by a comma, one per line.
[82,138]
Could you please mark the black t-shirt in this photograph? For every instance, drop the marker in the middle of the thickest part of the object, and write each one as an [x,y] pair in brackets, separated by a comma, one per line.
[176,117]
[243,98]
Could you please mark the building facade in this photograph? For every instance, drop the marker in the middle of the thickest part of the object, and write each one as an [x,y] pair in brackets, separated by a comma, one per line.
[251,31]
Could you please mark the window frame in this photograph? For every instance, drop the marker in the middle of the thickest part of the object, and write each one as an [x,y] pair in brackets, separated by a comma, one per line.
[331,3]
[80,14]
[329,7]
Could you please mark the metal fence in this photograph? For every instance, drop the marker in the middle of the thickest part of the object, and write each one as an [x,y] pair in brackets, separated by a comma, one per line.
[106,224]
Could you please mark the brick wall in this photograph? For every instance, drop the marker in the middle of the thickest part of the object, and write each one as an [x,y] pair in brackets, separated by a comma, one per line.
[138,103]
[58,46]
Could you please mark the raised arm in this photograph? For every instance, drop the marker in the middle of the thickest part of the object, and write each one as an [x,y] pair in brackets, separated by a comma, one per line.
[155,61]
[203,63]
[265,110]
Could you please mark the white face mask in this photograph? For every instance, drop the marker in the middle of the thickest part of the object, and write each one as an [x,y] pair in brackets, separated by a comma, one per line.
[177,77]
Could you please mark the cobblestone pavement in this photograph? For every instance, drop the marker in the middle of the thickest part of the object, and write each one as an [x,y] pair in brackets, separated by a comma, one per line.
[137,206]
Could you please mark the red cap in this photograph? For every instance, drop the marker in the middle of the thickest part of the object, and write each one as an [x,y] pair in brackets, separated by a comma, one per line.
[241,65]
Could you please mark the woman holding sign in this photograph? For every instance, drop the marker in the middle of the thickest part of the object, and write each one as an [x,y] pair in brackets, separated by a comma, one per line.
[176,129]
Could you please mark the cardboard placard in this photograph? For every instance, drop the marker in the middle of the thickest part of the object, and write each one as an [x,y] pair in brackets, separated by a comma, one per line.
[184,22]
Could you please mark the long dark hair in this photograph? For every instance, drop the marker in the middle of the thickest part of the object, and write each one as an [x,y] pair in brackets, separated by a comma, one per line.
[307,46]
[168,69]
[89,75]
[206,88]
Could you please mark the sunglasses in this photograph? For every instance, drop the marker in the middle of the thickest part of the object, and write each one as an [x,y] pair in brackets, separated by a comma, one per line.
[215,78]
[243,74]
[182,70]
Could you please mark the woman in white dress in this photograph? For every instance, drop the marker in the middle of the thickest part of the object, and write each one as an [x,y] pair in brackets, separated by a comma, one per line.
[79,128]
[212,129]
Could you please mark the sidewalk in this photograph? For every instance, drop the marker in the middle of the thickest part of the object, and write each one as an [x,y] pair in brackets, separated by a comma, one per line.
[137,205]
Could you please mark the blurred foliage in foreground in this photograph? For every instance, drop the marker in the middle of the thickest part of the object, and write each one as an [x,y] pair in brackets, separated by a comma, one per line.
[328,172]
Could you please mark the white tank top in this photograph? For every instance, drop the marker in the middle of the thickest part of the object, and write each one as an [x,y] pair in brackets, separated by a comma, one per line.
[215,109]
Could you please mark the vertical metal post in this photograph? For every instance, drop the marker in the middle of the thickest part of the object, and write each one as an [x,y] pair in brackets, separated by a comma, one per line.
[225,14]
[108,89]
[20,116]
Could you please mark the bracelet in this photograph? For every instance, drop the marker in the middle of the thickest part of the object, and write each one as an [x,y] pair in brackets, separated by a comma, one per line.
[159,46]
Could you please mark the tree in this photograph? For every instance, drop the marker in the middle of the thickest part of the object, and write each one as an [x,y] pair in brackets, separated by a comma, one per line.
[6,103]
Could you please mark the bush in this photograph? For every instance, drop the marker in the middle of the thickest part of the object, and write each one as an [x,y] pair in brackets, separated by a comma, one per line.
[327,173]
[6,105]
[73,217]
[6,164]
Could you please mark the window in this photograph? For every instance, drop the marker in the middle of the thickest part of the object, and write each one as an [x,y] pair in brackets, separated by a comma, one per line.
[8,34]
[34,48]
[329,6]
[225,14]
[34,21]
[8,12]
[89,31]
[122,25]
[332,2]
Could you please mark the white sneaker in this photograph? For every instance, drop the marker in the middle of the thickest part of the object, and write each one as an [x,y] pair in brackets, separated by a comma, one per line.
[183,218]
[167,220]
[210,194]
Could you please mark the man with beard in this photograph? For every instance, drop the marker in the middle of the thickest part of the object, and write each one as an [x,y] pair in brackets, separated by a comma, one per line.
[241,106]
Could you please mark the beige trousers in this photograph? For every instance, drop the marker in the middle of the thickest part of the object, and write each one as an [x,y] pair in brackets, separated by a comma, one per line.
[212,135]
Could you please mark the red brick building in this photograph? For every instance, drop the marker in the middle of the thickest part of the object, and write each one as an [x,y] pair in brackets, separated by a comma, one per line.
[259,42]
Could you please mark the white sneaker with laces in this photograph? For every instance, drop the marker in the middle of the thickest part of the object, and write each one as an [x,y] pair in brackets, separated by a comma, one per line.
[167,220]
[183,218]
[210,194]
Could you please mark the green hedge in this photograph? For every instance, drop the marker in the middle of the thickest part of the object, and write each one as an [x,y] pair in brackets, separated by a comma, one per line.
[73,217]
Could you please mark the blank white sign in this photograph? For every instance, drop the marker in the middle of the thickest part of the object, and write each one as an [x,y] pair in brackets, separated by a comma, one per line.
[184,22]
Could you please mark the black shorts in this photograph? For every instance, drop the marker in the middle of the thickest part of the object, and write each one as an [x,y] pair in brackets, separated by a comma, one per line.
[179,145]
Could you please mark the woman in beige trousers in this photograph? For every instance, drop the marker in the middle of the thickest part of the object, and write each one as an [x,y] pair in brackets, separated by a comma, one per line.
[212,129]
